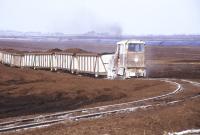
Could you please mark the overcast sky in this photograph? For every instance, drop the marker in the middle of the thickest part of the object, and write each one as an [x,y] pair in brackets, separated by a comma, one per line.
[137,17]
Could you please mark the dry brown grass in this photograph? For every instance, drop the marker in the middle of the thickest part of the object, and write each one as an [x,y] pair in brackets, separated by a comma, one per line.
[28,91]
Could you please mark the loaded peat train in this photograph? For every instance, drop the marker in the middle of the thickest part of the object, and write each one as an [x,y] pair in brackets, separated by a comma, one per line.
[127,61]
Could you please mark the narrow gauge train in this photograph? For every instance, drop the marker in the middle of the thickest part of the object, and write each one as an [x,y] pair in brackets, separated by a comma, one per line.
[127,61]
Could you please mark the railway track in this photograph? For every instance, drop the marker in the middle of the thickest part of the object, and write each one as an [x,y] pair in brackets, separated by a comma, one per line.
[89,113]
[187,132]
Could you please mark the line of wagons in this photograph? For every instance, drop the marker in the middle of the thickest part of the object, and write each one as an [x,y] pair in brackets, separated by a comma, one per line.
[85,63]
[127,61]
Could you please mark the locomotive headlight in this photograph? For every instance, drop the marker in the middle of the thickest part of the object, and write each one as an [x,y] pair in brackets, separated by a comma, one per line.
[136,59]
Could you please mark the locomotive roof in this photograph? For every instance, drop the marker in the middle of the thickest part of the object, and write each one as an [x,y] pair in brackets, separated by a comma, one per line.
[134,41]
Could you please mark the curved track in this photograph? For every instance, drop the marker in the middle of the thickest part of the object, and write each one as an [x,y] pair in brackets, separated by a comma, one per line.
[94,112]
[187,132]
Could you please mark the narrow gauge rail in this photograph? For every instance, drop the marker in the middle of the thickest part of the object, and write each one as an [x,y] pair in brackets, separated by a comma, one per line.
[74,115]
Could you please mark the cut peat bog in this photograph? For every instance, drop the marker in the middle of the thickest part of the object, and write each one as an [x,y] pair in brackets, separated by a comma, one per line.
[167,100]
[28,92]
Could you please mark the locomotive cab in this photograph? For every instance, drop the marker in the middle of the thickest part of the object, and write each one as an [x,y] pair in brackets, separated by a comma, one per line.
[130,59]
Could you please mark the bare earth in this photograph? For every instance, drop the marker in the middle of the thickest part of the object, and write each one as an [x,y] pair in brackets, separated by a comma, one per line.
[173,61]
[156,121]
[27,92]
